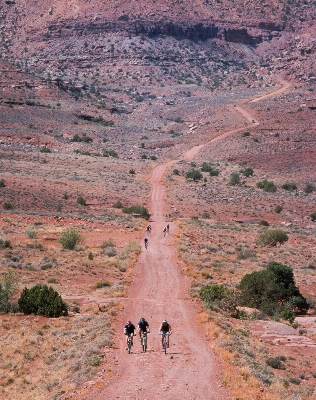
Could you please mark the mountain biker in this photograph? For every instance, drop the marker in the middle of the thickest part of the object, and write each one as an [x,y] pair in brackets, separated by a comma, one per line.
[143,326]
[129,330]
[146,242]
[165,328]
[148,229]
[168,228]
[164,231]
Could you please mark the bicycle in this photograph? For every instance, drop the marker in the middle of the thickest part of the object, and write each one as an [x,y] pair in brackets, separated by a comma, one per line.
[165,342]
[143,340]
[146,243]
[129,342]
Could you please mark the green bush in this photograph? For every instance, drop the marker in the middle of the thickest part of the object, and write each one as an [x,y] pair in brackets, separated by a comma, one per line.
[102,284]
[45,150]
[42,300]
[234,179]
[176,172]
[309,188]
[7,205]
[272,237]
[313,216]
[210,294]
[8,289]
[81,201]
[247,171]
[118,204]
[132,172]
[142,211]
[194,174]
[246,134]
[214,172]
[276,362]
[267,186]
[289,186]
[2,183]
[264,223]
[273,291]
[69,239]
[278,209]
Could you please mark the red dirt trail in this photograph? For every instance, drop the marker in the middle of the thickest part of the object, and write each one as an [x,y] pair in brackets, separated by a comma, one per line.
[158,291]
[189,371]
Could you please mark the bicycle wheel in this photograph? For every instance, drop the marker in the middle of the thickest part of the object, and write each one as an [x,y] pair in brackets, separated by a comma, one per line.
[145,344]
[129,345]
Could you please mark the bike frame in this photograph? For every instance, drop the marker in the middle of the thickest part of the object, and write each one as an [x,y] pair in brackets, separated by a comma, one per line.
[165,343]
[129,342]
[144,340]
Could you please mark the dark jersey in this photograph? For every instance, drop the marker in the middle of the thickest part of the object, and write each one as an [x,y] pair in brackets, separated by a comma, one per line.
[143,325]
[129,328]
[165,327]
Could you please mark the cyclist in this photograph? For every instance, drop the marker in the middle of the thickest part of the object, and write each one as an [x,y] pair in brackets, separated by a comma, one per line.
[164,231]
[165,328]
[143,326]
[148,229]
[129,330]
[168,228]
[146,242]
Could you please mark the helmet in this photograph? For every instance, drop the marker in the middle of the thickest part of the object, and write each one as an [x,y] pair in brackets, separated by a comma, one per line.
[142,319]
[164,321]
[129,322]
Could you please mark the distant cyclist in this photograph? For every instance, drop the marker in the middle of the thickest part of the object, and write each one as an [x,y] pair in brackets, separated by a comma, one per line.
[167,228]
[148,229]
[129,330]
[165,328]
[143,326]
[146,242]
[164,231]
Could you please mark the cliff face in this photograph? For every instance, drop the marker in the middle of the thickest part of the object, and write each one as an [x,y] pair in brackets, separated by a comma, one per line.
[182,30]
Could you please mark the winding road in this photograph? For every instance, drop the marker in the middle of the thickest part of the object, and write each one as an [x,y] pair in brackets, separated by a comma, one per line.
[158,291]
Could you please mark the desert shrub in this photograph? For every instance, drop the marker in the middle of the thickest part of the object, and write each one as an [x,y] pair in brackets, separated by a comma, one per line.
[309,188]
[295,380]
[272,237]
[176,172]
[247,171]
[194,174]
[214,172]
[30,232]
[81,201]
[45,150]
[313,216]
[102,284]
[267,186]
[52,280]
[7,205]
[144,156]
[276,362]
[210,294]
[118,204]
[243,254]
[8,289]
[46,266]
[5,244]
[42,300]
[154,158]
[90,256]
[278,209]
[264,223]
[110,153]
[69,239]
[109,248]
[272,291]
[84,138]
[246,134]
[132,172]
[2,183]
[289,186]
[141,210]
[234,179]
[206,215]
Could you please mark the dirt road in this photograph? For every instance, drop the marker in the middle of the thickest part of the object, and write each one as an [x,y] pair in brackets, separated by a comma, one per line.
[158,291]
